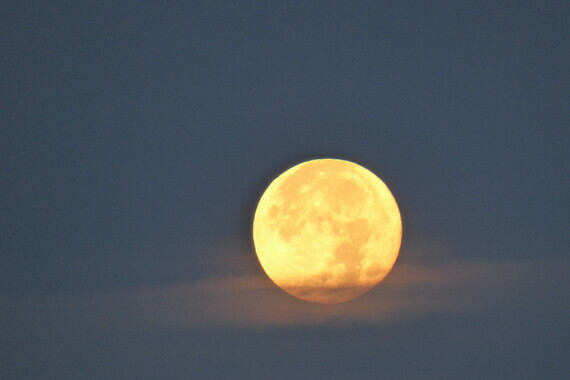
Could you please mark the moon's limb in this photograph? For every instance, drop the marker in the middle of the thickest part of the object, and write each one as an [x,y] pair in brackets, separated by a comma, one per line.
[327,230]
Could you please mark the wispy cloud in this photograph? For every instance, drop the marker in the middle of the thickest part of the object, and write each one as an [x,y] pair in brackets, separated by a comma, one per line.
[252,301]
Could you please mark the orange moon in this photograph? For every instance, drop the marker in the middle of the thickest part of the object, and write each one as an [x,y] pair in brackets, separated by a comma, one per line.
[327,231]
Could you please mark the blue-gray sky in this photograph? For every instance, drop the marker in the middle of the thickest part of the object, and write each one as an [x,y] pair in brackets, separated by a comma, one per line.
[137,136]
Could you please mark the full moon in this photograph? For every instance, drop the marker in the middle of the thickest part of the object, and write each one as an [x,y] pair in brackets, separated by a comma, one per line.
[327,231]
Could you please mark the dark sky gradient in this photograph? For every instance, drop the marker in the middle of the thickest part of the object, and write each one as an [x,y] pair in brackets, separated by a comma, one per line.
[137,136]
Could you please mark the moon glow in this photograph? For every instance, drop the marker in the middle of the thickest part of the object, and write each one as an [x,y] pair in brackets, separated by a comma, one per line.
[327,231]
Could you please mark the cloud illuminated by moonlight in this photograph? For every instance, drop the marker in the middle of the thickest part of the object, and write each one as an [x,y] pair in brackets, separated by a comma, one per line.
[411,291]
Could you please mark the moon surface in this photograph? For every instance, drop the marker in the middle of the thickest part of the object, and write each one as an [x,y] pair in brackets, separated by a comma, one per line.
[327,231]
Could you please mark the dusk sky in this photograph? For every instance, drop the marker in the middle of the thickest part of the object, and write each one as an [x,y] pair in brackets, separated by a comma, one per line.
[136,138]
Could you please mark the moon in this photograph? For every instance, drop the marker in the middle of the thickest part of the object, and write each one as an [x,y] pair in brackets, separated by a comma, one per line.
[327,231]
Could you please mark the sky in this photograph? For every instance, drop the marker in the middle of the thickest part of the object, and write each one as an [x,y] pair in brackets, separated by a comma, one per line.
[137,137]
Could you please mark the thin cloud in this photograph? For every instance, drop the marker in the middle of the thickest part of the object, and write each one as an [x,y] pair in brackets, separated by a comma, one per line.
[253,301]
